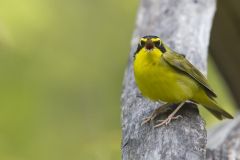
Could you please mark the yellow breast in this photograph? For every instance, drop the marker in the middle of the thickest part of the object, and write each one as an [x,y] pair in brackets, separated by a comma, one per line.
[159,81]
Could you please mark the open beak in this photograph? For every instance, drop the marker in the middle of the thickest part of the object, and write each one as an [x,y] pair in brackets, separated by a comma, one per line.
[149,45]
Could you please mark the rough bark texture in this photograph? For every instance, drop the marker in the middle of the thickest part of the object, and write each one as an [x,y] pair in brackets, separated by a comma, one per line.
[185,26]
[224,141]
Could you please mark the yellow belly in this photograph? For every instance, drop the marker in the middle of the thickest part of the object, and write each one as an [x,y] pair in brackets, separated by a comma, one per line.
[159,81]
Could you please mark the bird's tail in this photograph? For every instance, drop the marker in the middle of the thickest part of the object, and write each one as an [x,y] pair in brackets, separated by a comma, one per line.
[213,107]
[218,112]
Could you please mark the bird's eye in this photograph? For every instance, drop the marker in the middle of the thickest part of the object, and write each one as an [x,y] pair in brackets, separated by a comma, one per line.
[142,43]
[157,43]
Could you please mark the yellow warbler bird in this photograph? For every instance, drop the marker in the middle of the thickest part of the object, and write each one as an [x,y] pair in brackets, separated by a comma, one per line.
[164,75]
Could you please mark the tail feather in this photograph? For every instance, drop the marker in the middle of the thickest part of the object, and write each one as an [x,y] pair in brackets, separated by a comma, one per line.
[212,106]
[218,112]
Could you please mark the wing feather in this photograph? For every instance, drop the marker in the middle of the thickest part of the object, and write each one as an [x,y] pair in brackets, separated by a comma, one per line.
[179,62]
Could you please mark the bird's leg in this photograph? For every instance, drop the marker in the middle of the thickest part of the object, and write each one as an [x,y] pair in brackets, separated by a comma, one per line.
[170,117]
[161,109]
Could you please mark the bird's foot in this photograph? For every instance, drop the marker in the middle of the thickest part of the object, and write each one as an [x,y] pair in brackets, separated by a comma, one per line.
[162,109]
[149,118]
[167,120]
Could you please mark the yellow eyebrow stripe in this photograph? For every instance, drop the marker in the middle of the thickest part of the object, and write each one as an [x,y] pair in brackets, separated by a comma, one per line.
[144,39]
[153,39]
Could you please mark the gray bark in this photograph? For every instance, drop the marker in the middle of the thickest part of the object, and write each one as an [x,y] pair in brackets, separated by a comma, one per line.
[224,141]
[185,26]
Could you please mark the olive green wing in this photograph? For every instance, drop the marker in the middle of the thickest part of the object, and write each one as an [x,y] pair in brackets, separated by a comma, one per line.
[180,63]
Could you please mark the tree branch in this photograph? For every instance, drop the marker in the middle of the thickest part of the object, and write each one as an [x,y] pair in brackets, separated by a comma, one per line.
[185,26]
[224,141]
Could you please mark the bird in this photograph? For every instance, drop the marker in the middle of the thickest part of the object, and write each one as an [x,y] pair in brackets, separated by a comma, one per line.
[164,75]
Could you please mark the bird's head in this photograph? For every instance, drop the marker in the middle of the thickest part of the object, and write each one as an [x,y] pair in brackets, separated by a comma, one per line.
[150,43]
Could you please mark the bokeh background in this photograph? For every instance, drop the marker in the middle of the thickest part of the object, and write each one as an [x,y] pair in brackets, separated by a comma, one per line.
[61,68]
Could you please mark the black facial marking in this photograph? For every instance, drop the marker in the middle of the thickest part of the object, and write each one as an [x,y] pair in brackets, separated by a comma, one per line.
[142,43]
[150,37]
[139,47]
[157,43]
[161,47]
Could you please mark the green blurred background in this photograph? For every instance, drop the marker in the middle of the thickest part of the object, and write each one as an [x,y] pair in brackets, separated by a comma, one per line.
[61,66]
